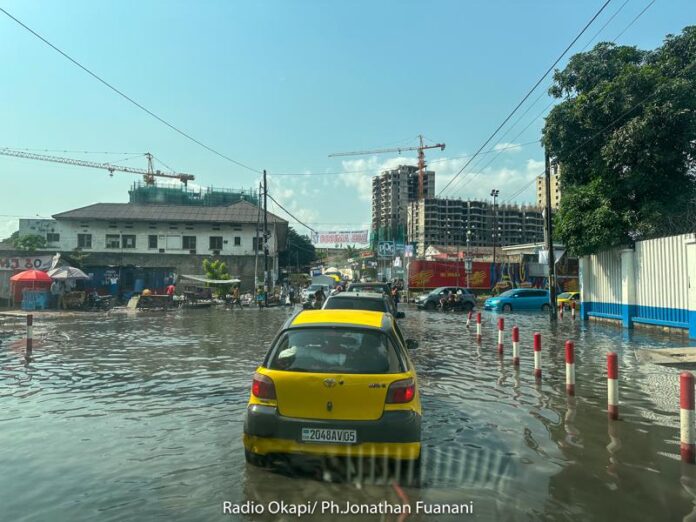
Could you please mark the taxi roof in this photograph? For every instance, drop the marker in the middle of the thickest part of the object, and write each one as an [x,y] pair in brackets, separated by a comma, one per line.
[339,317]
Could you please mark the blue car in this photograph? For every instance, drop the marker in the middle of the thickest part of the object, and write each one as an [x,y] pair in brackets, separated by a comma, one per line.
[519,299]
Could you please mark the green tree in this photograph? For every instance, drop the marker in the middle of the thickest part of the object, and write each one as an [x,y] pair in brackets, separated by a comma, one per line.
[217,269]
[300,251]
[29,243]
[625,138]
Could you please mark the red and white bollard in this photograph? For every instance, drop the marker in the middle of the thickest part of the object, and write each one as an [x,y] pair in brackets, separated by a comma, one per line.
[30,333]
[613,385]
[570,367]
[537,355]
[501,327]
[686,417]
[572,309]
[560,310]
[478,326]
[468,318]
[515,346]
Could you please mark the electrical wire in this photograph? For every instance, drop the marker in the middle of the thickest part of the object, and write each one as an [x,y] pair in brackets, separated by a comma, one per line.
[128,98]
[529,93]
[290,214]
[634,20]
[585,47]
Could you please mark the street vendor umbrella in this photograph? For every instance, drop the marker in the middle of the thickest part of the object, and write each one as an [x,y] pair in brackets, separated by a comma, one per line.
[67,272]
[31,276]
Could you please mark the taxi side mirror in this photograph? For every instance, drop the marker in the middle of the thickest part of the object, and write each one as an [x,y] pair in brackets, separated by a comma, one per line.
[411,344]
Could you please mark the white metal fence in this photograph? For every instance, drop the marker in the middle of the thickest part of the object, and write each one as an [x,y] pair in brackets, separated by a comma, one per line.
[655,283]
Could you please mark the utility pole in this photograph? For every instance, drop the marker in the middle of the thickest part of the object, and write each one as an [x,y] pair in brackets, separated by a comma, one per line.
[548,221]
[265,239]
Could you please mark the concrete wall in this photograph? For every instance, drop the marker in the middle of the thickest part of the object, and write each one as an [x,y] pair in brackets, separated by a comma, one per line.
[655,283]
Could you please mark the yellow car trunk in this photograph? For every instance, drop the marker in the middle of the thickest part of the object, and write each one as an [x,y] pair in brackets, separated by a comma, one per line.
[331,396]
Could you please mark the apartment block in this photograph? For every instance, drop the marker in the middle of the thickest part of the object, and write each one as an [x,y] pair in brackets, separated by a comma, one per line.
[450,222]
[555,188]
[392,191]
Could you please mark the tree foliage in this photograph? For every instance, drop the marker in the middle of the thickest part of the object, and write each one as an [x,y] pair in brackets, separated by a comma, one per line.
[217,269]
[300,251]
[625,138]
[28,243]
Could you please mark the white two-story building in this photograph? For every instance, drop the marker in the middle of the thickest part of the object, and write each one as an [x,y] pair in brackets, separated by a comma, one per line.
[148,244]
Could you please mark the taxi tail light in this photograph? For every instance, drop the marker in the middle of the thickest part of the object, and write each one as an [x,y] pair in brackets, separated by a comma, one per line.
[401,391]
[262,387]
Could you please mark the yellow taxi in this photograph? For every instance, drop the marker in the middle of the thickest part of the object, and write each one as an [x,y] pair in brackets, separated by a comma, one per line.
[567,298]
[335,383]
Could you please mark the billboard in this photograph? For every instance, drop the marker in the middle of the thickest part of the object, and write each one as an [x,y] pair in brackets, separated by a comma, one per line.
[351,237]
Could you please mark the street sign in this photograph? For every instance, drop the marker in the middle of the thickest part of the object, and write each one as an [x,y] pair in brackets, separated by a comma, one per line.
[385,249]
[408,251]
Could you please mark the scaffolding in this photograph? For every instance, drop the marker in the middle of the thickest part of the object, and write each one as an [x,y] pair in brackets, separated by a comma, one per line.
[144,194]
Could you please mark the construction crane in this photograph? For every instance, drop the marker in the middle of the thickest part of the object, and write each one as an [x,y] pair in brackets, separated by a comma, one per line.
[421,157]
[148,174]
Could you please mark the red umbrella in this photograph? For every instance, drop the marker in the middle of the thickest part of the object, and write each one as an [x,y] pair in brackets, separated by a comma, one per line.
[35,276]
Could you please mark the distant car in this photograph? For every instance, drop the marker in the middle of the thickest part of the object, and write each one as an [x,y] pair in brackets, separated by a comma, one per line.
[383,288]
[431,301]
[567,298]
[519,299]
[312,289]
[371,301]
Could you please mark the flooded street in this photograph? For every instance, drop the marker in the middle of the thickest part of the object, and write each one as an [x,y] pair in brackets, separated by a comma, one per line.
[140,416]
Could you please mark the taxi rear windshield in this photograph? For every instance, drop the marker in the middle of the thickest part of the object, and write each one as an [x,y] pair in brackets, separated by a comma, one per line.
[332,350]
[346,303]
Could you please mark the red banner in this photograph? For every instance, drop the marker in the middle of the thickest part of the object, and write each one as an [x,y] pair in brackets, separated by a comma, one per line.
[431,274]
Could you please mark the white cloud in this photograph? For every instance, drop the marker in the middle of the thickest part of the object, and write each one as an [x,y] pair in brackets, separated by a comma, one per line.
[508,147]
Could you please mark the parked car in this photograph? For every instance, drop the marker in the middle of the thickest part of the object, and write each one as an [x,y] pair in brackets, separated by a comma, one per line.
[371,301]
[384,288]
[567,298]
[431,301]
[519,299]
[335,383]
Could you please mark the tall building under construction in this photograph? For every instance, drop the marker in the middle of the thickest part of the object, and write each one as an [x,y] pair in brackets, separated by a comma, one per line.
[392,191]
[452,222]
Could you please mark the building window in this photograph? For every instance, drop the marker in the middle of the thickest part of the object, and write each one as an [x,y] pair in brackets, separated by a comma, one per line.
[189,242]
[52,237]
[237,241]
[215,242]
[128,240]
[152,241]
[84,240]
[113,241]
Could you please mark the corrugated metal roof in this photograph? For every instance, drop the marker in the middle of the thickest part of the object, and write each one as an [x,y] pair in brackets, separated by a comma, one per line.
[241,212]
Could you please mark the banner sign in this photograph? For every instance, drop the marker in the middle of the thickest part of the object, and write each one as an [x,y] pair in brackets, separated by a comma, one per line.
[28,262]
[357,237]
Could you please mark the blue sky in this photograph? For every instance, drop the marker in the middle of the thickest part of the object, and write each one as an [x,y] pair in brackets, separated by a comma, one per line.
[281,84]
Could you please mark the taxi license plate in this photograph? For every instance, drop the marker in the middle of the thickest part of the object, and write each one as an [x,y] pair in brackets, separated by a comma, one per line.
[329,435]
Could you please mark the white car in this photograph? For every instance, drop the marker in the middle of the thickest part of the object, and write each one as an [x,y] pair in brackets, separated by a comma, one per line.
[312,289]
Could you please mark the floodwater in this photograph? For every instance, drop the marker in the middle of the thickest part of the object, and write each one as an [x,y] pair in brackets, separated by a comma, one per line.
[139,417]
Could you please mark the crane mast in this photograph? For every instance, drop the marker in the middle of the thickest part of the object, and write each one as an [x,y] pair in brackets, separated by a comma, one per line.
[421,157]
[148,174]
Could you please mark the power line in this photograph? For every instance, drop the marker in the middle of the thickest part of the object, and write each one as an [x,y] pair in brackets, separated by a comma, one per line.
[290,214]
[529,93]
[551,103]
[634,20]
[128,98]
